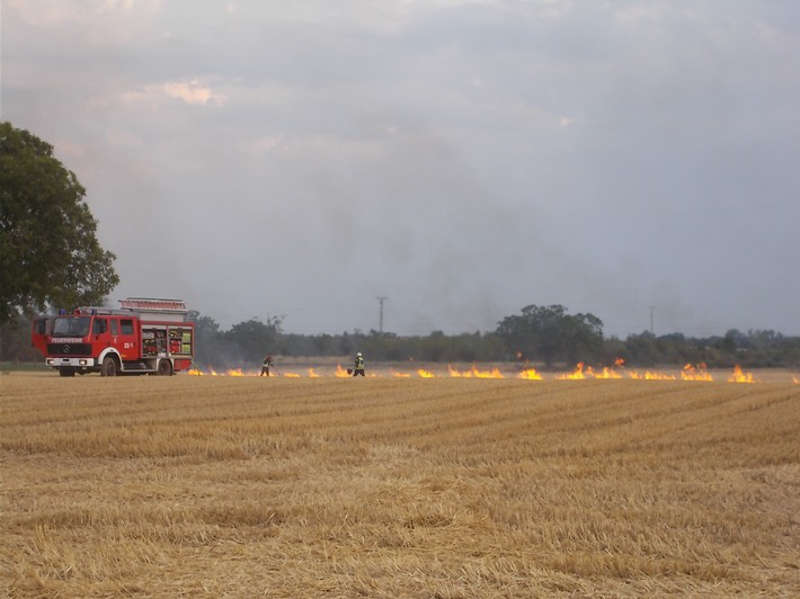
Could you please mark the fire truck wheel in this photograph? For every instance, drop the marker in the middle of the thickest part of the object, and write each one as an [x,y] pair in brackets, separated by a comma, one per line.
[66,371]
[109,366]
[164,368]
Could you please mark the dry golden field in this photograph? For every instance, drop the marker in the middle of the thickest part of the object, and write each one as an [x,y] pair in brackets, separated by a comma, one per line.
[439,488]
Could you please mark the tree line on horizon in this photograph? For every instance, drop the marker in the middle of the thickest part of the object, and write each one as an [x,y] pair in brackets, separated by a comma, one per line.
[546,336]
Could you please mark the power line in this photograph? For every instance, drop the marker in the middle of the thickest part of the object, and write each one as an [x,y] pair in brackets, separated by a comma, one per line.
[381,299]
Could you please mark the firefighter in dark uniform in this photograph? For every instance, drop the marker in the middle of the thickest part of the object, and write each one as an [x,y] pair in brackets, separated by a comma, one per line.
[358,368]
[266,365]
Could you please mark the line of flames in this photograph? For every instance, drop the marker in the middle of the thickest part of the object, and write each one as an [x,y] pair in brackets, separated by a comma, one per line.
[475,373]
[740,377]
[689,372]
[697,372]
[239,372]
[530,374]
[578,374]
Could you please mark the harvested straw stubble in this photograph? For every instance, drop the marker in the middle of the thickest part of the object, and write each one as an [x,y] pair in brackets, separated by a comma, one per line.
[397,487]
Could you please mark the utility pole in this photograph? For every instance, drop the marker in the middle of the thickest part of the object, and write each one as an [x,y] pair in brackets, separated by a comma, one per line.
[381,299]
[652,312]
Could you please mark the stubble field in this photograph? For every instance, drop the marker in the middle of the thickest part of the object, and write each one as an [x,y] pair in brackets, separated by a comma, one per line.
[245,487]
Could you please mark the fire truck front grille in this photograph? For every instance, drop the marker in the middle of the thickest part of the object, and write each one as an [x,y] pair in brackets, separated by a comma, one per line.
[69,349]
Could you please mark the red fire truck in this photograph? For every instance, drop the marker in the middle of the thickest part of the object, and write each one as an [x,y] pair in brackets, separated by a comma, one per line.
[144,336]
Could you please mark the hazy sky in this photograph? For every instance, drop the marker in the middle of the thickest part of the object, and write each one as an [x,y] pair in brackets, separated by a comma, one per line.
[463,158]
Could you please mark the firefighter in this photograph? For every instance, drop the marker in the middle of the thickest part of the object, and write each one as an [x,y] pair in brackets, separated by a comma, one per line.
[358,368]
[266,365]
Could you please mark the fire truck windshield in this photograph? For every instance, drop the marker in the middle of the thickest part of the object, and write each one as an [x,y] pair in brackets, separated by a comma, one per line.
[71,326]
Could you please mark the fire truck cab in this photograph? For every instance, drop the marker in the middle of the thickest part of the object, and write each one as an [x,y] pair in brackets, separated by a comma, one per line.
[144,336]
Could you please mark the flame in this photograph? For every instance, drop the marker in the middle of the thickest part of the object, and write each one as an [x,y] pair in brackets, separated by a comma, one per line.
[737,376]
[291,375]
[649,375]
[341,373]
[608,373]
[530,374]
[659,376]
[494,373]
[425,374]
[619,362]
[453,372]
[400,375]
[212,372]
[698,373]
[195,372]
[577,374]
[237,372]
[473,372]
[795,380]
[312,374]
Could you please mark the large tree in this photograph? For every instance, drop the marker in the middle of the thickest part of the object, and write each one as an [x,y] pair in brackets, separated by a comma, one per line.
[254,338]
[548,333]
[49,254]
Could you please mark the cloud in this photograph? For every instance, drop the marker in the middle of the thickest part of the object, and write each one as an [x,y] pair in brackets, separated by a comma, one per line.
[261,145]
[58,13]
[634,14]
[190,92]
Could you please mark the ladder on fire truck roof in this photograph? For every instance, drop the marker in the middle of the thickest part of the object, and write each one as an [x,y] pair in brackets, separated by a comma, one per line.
[153,307]
[153,304]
